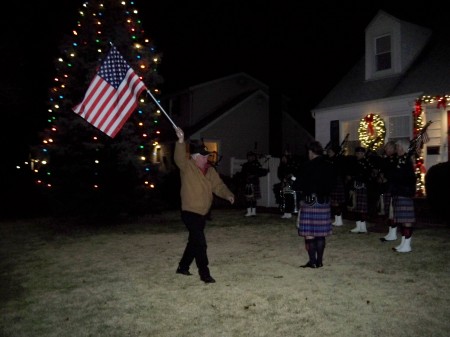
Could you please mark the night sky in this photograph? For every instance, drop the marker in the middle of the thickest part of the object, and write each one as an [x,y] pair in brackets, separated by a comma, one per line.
[300,49]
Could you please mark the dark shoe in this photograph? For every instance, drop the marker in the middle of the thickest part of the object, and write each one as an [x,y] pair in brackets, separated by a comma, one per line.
[319,265]
[309,265]
[183,272]
[208,279]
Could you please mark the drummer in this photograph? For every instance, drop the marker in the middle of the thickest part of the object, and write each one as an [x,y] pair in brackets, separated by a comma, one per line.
[335,156]
[287,172]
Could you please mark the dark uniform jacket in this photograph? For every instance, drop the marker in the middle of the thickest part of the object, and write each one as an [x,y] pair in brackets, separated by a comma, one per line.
[317,178]
[403,177]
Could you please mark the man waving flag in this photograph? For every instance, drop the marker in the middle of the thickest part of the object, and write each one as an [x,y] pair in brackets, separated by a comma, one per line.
[112,95]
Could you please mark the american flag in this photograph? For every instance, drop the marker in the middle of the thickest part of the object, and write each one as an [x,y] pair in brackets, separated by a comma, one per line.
[421,139]
[112,95]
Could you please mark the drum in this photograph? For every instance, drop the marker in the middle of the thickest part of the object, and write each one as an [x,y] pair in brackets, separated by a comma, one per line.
[288,200]
[285,187]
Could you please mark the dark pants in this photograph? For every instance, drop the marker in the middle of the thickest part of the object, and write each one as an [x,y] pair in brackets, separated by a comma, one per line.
[196,245]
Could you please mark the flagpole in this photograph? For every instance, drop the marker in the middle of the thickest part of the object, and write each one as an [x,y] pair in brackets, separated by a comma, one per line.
[165,113]
[153,97]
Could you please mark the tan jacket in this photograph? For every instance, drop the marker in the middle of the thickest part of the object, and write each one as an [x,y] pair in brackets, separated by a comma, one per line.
[197,189]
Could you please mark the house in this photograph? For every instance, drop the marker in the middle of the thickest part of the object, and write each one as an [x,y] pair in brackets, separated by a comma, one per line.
[233,115]
[401,83]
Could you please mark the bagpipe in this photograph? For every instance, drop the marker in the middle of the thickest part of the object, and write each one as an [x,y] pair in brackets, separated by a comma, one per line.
[260,172]
[342,147]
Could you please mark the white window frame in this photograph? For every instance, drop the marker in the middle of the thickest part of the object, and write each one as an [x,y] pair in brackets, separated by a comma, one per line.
[381,56]
[399,127]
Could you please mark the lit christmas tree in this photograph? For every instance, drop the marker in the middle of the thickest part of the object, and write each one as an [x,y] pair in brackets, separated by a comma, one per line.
[80,167]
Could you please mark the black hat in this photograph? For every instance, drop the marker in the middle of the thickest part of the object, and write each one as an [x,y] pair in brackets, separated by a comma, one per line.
[196,146]
[360,149]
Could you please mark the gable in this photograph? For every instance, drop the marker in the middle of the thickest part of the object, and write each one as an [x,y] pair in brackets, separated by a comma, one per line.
[233,115]
[391,45]
[210,96]
[242,128]
[420,63]
[410,90]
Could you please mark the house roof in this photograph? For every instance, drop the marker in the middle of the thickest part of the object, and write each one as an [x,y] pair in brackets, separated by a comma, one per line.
[226,107]
[240,76]
[429,75]
[231,104]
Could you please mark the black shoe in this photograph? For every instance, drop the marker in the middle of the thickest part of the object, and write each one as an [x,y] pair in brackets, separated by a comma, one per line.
[319,265]
[208,279]
[309,265]
[183,272]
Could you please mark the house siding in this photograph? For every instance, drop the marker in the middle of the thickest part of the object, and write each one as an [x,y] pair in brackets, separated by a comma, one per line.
[420,67]
[235,114]
[396,106]
[249,126]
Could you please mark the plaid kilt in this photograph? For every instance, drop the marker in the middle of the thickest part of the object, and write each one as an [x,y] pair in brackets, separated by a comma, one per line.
[337,194]
[361,200]
[386,202]
[252,192]
[314,219]
[403,210]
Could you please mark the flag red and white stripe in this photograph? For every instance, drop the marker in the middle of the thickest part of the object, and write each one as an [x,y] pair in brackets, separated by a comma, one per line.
[112,95]
[421,139]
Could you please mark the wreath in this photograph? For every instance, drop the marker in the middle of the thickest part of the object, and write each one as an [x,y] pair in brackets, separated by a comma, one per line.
[371,132]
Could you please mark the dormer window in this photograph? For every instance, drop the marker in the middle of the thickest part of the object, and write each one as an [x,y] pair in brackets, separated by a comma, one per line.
[383,53]
[392,46]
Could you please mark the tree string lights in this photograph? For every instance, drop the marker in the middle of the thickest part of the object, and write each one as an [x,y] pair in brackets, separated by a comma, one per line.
[78,167]
[99,23]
